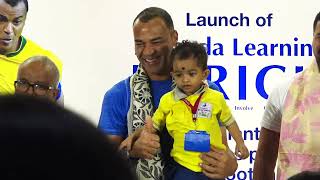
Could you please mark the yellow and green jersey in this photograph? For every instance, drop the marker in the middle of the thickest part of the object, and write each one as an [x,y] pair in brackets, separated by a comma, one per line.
[9,63]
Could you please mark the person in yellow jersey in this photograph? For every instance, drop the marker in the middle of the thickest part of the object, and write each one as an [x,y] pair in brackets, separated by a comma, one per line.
[191,112]
[15,48]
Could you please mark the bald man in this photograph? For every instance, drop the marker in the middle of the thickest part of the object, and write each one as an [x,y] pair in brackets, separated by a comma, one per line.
[38,76]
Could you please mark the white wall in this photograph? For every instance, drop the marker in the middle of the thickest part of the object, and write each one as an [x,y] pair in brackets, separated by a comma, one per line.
[94,40]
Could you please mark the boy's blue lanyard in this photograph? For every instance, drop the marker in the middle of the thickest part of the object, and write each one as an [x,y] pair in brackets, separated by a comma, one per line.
[194,108]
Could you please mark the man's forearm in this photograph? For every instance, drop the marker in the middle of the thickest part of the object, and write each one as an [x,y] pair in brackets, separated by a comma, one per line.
[266,156]
[263,169]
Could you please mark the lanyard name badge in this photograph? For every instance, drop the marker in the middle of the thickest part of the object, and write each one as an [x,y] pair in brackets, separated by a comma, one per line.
[198,141]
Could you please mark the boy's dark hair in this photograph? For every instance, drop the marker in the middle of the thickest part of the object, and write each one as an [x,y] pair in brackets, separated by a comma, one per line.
[154,12]
[13,3]
[306,175]
[190,49]
[316,19]
[41,140]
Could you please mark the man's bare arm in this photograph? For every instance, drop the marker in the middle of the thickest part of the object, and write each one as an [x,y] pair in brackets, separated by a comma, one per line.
[266,156]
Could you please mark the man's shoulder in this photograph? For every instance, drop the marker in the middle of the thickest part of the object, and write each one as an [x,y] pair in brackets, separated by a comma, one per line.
[31,44]
[33,49]
[120,88]
[118,96]
[279,93]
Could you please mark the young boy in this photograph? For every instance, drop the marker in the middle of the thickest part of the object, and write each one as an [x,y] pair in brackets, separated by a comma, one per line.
[191,112]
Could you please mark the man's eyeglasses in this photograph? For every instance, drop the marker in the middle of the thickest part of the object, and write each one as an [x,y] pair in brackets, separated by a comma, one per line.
[39,89]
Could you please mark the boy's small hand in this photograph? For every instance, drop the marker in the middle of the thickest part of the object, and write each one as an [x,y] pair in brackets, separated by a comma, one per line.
[242,151]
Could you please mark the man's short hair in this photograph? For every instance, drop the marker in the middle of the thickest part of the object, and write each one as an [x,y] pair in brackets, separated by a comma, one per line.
[316,19]
[13,3]
[187,49]
[42,140]
[154,12]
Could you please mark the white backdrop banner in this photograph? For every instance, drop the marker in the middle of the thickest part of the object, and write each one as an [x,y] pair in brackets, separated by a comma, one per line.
[253,46]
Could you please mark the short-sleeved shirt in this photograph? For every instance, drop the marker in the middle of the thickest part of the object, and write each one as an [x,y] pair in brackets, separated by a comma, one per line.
[177,117]
[274,108]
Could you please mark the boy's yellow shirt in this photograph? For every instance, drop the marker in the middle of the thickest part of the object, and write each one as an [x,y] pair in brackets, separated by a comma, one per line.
[9,63]
[178,119]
